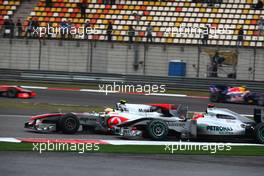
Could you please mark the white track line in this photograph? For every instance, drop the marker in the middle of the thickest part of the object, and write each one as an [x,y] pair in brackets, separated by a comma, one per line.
[168,95]
[33,87]
[134,142]
[90,90]
[11,115]
[160,143]
[100,91]
[9,139]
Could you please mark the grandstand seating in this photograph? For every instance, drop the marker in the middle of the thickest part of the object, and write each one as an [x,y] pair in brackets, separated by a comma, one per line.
[162,15]
[7,9]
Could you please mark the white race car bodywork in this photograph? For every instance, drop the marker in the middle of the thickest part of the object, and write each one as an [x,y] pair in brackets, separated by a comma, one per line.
[220,121]
[156,121]
[215,122]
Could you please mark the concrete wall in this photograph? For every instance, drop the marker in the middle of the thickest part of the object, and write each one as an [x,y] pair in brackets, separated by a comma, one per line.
[103,57]
[18,55]
[259,65]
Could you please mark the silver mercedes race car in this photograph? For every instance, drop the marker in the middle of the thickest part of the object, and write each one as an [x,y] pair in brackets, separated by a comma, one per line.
[215,123]
[156,121]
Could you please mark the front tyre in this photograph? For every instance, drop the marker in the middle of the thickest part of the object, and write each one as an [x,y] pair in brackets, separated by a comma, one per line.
[259,131]
[158,130]
[69,124]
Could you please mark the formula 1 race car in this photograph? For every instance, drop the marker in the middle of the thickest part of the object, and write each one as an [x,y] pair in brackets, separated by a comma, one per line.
[156,121]
[69,123]
[221,93]
[16,92]
[215,123]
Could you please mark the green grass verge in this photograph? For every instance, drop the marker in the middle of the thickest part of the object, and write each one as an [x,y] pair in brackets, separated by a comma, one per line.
[48,107]
[49,84]
[53,107]
[189,92]
[140,149]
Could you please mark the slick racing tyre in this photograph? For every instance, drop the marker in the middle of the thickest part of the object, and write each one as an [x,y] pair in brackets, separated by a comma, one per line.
[261,102]
[259,131]
[69,124]
[158,130]
[215,97]
[249,100]
[12,93]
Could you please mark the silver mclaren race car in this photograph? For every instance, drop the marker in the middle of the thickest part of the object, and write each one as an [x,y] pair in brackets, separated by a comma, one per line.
[70,123]
[156,121]
[215,123]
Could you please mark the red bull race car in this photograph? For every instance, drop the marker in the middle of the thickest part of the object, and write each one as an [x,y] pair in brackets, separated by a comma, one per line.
[16,92]
[221,93]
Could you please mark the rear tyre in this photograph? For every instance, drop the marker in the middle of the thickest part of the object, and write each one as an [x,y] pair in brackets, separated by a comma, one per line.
[158,130]
[69,124]
[250,100]
[259,131]
[12,93]
[215,97]
[261,102]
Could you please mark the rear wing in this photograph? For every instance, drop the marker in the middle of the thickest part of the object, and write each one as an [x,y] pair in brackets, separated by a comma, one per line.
[218,88]
[259,115]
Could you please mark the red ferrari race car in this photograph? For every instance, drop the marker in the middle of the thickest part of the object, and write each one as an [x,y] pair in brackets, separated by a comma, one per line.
[16,92]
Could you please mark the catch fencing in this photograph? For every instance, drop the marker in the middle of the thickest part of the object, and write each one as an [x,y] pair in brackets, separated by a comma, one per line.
[131,59]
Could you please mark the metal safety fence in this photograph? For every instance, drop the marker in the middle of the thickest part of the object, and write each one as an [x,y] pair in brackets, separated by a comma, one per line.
[173,61]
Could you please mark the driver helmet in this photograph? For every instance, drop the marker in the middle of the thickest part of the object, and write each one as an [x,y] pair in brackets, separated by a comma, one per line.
[123,102]
[244,87]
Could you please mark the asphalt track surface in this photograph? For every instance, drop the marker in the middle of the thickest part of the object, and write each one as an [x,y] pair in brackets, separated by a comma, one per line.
[63,164]
[33,163]
[12,120]
[12,123]
[13,126]
[100,99]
